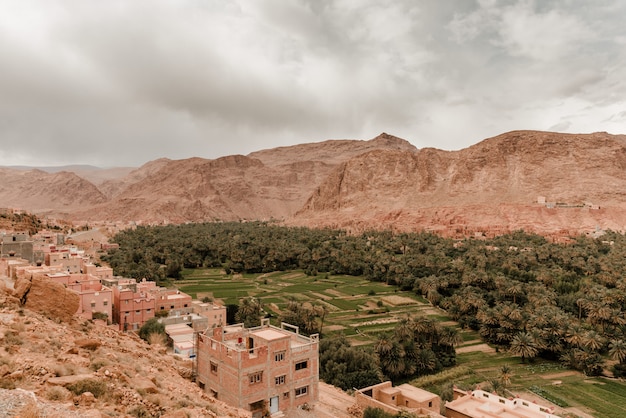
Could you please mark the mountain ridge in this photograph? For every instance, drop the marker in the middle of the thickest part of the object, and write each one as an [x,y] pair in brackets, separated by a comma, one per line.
[510,181]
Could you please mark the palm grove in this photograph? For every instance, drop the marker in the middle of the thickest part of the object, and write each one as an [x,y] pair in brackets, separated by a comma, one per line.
[520,291]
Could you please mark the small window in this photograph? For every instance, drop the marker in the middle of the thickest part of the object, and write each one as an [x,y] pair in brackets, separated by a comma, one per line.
[162,308]
[214,368]
[137,312]
[105,303]
[430,404]
[286,395]
[302,391]
[172,307]
[279,380]
[148,310]
[302,365]
[501,400]
[185,305]
[256,377]
[93,304]
[280,356]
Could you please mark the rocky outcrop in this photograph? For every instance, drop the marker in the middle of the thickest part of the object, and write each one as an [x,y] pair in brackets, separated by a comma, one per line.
[50,298]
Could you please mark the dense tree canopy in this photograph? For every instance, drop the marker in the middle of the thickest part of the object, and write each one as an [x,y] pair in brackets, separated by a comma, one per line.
[520,291]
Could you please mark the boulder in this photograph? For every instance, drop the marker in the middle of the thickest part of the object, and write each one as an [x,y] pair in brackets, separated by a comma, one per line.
[50,298]
[147,385]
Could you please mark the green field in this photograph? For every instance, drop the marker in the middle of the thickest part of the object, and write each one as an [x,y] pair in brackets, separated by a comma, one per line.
[352,302]
[354,309]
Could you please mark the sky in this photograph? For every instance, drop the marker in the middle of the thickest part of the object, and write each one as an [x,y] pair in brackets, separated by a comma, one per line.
[120,83]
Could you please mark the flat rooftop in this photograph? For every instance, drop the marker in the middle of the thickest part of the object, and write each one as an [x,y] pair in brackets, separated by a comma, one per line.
[497,407]
[269,334]
[417,394]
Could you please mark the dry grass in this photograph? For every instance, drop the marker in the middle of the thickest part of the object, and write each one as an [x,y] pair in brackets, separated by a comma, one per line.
[156,338]
[30,410]
[57,393]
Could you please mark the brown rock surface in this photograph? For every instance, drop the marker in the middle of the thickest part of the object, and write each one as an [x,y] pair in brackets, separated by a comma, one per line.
[51,299]
[491,187]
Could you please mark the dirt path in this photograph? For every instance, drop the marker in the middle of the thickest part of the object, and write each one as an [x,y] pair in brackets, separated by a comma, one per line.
[478,347]
[333,402]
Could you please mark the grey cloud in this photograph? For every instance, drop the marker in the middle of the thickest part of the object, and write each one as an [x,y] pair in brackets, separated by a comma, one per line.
[81,81]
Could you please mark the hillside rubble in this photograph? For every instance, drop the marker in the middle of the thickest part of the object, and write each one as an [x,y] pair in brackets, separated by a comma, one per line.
[55,366]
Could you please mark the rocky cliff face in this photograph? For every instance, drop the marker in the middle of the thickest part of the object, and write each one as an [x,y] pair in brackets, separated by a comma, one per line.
[539,181]
[495,186]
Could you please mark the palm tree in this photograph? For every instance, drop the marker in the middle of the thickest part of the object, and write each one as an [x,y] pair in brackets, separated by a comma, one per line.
[593,341]
[575,335]
[426,361]
[249,312]
[523,345]
[617,350]
[505,375]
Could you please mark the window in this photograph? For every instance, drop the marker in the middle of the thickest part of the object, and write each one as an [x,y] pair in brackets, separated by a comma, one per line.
[148,310]
[214,368]
[105,303]
[93,304]
[430,404]
[280,356]
[302,391]
[256,377]
[286,395]
[137,312]
[501,400]
[279,380]
[302,365]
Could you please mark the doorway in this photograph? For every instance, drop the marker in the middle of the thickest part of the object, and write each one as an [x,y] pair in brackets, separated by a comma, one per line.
[274,405]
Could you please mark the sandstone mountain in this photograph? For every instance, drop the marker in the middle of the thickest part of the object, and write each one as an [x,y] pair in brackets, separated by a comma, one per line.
[545,182]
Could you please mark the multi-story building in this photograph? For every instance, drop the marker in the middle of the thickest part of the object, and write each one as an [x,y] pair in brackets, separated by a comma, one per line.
[69,260]
[172,300]
[260,369]
[214,312]
[18,245]
[132,309]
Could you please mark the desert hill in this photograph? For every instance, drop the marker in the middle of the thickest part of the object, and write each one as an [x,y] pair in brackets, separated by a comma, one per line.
[539,181]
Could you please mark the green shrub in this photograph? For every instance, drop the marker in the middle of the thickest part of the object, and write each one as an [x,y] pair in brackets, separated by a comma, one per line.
[96,387]
[151,326]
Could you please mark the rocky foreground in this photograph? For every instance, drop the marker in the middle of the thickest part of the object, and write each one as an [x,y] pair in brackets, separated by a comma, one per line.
[74,368]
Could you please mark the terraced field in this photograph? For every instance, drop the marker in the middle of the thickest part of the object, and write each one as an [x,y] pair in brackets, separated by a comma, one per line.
[361,309]
[358,308]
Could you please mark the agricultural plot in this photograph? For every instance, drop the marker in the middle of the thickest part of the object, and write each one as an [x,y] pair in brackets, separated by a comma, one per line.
[358,308]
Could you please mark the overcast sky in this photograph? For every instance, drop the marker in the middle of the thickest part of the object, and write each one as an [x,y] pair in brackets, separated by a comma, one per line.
[120,83]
